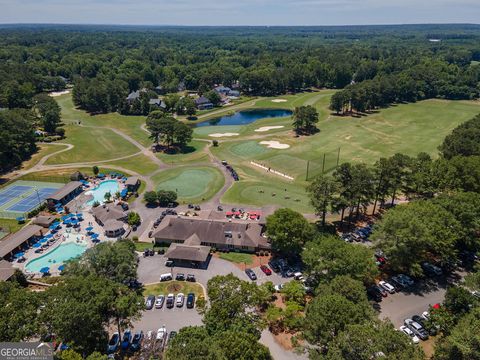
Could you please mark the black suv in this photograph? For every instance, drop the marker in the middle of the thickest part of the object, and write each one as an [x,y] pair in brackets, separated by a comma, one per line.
[274,266]
[374,293]
[191,278]
[190,300]
[180,277]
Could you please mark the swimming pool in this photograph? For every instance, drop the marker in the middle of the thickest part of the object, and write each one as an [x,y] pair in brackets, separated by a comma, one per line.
[246,117]
[56,257]
[99,192]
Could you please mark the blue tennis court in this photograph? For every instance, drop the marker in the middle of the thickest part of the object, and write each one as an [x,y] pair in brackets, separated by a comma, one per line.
[32,201]
[12,192]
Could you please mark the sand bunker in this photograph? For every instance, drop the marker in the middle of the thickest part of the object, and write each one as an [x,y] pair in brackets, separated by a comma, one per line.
[266,128]
[274,145]
[279,100]
[58,93]
[217,135]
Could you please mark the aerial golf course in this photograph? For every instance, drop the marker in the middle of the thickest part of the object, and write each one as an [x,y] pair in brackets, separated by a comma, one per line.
[121,142]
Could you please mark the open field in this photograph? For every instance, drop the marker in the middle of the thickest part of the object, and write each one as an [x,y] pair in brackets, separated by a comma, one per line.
[175,287]
[43,150]
[92,144]
[130,125]
[139,163]
[194,152]
[192,184]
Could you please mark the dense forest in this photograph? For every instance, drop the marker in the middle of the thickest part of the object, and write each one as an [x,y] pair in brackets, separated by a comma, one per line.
[375,65]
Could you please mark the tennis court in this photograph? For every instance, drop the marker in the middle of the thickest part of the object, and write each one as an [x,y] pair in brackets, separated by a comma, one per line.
[22,197]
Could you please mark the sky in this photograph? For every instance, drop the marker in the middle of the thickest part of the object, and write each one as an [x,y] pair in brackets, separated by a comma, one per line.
[239,12]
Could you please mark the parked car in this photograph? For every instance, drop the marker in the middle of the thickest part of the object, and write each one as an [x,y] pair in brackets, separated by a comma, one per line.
[266,270]
[180,277]
[169,263]
[136,341]
[159,302]
[151,252]
[251,274]
[149,302]
[374,293]
[190,300]
[172,335]
[170,301]
[288,272]
[405,280]
[381,290]
[279,287]
[166,277]
[190,206]
[161,333]
[191,278]
[387,286]
[197,207]
[274,266]
[127,338]
[219,208]
[417,329]
[298,276]
[410,334]
[430,269]
[426,315]
[113,343]
[180,299]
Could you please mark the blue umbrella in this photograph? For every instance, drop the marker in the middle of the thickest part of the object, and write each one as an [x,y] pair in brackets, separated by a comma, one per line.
[37,245]
[49,236]
[94,236]
[90,228]
[43,240]
[19,255]
[61,267]
[20,218]
[45,270]
[52,227]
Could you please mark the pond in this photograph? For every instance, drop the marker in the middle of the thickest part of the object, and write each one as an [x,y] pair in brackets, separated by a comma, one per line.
[246,117]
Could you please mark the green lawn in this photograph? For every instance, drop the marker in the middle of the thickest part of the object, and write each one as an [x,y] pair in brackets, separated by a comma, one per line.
[10,225]
[91,144]
[193,153]
[174,287]
[43,150]
[237,257]
[193,184]
[139,163]
[141,246]
[63,175]
[130,125]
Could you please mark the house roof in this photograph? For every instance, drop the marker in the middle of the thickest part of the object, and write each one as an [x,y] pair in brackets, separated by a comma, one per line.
[44,221]
[112,225]
[202,100]
[188,252]
[131,181]
[133,95]
[197,231]
[6,270]
[66,190]
[12,241]
[106,212]
[222,89]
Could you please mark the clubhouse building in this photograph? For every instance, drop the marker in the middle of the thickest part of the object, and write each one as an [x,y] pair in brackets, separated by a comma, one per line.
[192,239]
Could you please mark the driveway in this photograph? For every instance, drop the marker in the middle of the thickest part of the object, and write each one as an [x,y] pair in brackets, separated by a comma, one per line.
[405,304]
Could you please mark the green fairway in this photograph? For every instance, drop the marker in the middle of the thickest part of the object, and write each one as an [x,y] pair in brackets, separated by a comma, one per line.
[43,150]
[139,163]
[192,184]
[130,125]
[92,144]
[248,149]
[194,152]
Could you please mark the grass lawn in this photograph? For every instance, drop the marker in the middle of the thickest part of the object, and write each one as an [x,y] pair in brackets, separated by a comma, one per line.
[63,175]
[193,153]
[139,163]
[237,257]
[192,184]
[92,144]
[141,246]
[43,150]
[174,287]
[130,125]
[10,225]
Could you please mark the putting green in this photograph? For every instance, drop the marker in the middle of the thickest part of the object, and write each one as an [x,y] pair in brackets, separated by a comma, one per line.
[192,184]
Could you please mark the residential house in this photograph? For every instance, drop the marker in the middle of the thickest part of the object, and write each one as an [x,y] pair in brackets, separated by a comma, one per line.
[203,103]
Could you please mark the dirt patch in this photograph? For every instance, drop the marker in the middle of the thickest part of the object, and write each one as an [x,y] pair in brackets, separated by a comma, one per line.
[218,135]
[274,144]
[267,128]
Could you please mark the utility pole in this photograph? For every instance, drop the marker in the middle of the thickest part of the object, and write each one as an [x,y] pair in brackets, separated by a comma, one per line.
[308,166]
[338,156]
[323,164]
[38,197]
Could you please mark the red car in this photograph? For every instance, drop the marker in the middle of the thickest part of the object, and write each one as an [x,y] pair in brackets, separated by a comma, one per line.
[266,270]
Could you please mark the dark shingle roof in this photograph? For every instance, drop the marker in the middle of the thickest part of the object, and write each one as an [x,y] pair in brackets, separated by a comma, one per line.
[108,212]
[188,252]
[6,270]
[202,100]
[66,190]
[212,232]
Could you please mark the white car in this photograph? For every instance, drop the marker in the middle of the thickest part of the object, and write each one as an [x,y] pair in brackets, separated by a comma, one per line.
[149,335]
[162,333]
[387,286]
[180,299]
[159,302]
[298,276]
[410,333]
[279,287]
[426,315]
